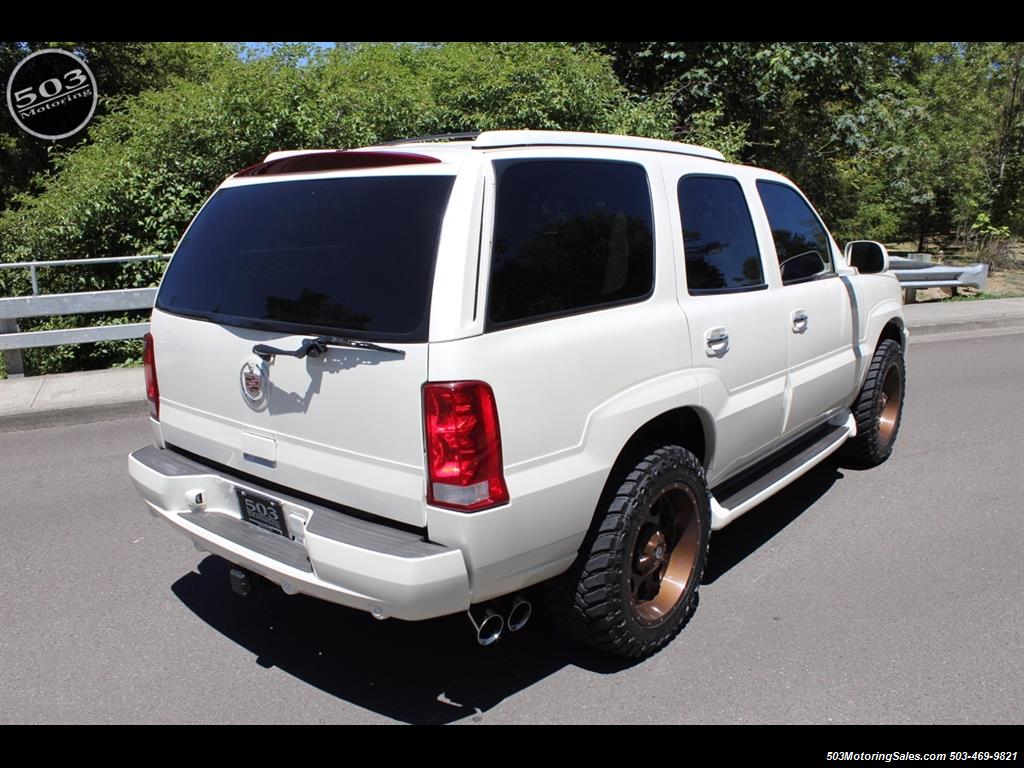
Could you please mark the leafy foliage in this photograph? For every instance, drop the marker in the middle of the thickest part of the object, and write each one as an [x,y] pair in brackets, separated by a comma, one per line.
[153,159]
[121,71]
[892,141]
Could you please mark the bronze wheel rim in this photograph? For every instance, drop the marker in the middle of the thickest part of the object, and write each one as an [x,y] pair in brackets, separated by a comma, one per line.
[889,404]
[664,554]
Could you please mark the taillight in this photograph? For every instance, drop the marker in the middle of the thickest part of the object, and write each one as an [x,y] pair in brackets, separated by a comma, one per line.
[152,388]
[464,468]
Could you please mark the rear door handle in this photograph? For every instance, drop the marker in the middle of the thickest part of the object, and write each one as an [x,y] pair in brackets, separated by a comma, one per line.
[717,340]
[799,318]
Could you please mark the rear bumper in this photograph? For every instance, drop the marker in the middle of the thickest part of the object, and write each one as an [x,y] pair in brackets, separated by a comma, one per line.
[331,556]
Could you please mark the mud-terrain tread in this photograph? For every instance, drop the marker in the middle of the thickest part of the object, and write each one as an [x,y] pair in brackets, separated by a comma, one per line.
[587,601]
[866,449]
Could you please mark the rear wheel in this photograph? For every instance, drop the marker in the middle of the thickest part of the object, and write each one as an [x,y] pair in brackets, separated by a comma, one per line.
[634,584]
[879,407]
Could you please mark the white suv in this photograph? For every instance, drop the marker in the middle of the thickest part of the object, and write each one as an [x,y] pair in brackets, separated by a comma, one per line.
[418,378]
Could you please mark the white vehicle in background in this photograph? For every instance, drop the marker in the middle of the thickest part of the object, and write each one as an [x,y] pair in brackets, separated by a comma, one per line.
[416,379]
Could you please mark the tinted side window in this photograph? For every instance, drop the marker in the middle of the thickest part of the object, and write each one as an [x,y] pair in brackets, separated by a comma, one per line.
[569,235]
[800,240]
[718,236]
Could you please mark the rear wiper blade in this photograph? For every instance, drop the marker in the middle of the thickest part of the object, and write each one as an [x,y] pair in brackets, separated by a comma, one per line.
[318,346]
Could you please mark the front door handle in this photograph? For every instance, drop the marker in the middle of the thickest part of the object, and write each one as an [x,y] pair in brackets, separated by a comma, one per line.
[799,318]
[717,340]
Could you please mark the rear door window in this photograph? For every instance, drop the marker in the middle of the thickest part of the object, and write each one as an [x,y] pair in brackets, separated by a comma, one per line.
[718,236]
[351,256]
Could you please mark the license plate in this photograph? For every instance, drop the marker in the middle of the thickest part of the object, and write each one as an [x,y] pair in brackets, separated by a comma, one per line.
[262,512]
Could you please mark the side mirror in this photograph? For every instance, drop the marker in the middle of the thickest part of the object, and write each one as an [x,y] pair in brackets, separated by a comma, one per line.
[867,256]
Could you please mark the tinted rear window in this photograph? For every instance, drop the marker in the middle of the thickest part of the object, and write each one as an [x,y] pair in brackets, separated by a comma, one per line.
[353,256]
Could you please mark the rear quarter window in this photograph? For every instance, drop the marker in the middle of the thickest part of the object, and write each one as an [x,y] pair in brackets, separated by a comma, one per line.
[569,236]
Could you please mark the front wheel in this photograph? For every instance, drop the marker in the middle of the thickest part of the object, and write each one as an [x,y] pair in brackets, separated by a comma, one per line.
[879,407]
[634,584]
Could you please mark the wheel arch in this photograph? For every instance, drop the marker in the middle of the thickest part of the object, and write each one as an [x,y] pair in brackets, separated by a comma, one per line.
[587,600]
[880,318]
[689,426]
[892,330]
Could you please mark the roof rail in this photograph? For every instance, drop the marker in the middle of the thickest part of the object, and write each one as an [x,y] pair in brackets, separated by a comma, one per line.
[509,139]
[501,139]
[467,136]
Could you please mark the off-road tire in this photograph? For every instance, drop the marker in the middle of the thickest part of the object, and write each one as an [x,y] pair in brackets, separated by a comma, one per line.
[596,601]
[876,431]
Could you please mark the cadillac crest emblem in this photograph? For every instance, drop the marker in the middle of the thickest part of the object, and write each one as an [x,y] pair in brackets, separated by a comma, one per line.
[253,380]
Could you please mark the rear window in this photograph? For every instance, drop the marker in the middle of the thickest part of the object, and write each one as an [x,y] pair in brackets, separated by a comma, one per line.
[353,256]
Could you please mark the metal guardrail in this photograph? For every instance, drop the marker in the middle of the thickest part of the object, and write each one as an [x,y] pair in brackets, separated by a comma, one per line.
[913,273]
[919,273]
[12,309]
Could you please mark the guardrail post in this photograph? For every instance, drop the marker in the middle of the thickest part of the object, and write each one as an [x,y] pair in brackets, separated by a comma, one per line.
[910,295]
[12,357]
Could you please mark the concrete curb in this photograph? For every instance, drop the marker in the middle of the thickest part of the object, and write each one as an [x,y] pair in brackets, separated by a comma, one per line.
[82,414]
[936,318]
[959,335]
[71,398]
[929,329]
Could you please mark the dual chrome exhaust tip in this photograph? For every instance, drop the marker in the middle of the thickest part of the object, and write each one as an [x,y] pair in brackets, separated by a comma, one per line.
[489,624]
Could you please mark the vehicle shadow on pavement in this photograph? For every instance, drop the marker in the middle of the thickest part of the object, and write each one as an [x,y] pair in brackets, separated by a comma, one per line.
[731,545]
[434,671]
[415,672]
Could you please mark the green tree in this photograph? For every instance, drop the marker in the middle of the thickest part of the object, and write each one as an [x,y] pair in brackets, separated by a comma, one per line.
[780,103]
[890,140]
[925,142]
[121,70]
[1006,156]
[151,163]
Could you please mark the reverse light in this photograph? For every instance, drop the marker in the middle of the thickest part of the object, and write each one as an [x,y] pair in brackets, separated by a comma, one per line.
[149,366]
[464,464]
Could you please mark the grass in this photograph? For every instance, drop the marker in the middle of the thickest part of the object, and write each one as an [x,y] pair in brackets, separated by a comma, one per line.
[980,295]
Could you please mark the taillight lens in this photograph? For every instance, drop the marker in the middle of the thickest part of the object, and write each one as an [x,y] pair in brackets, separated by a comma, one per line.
[152,388]
[464,463]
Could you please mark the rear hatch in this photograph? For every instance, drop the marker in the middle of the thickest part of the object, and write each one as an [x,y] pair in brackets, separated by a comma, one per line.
[278,263]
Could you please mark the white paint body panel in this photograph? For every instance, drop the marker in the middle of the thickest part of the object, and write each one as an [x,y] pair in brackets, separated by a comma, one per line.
[570,391]
[822,365]
[346,426]
[387,586]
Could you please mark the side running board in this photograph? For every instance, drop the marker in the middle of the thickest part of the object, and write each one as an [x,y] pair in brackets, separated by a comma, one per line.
[734,497]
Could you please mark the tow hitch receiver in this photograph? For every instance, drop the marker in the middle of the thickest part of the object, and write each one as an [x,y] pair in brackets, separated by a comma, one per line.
[241,582]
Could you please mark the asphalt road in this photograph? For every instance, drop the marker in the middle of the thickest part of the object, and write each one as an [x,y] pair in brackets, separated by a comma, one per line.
[892,595]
